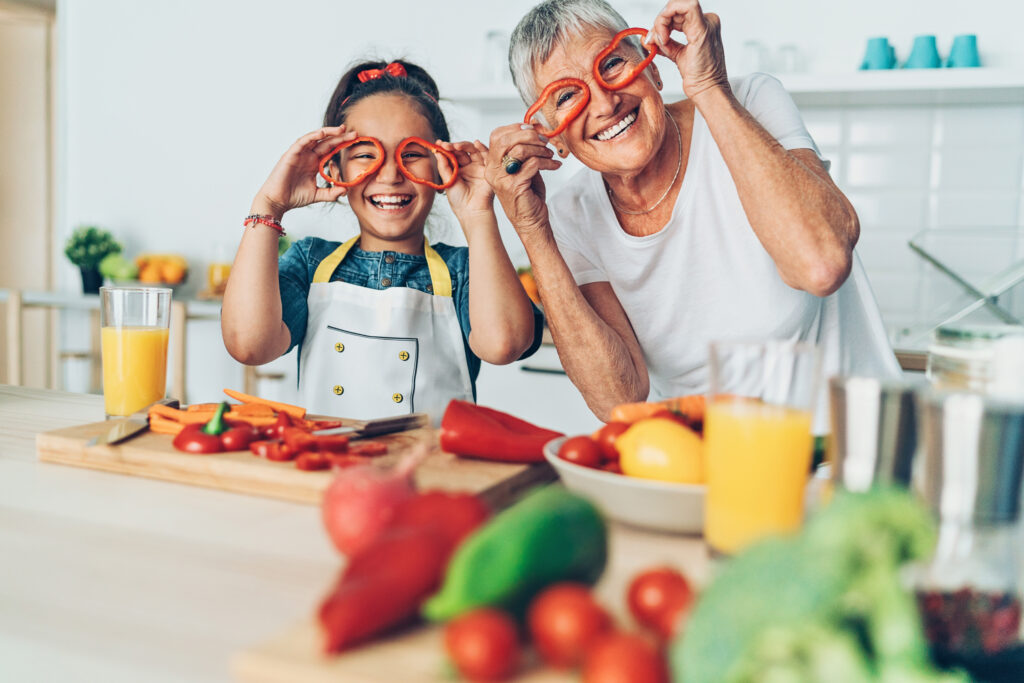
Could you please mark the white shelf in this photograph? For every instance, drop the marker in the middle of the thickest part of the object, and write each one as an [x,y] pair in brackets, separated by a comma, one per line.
[896,86]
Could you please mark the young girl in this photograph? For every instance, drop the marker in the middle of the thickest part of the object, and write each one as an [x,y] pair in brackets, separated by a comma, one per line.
[386,323]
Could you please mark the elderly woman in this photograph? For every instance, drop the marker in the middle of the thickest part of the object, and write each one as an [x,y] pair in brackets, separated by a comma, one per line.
[709,218]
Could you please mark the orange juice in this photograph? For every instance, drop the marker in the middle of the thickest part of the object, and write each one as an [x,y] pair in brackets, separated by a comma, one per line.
[217,276]
[134,367]
[758,463]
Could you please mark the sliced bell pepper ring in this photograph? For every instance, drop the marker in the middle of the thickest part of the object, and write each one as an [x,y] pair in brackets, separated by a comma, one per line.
[652,50]
[272,450]
[332,443]
[434,148]
[374,167]
[568,118]
[298,439]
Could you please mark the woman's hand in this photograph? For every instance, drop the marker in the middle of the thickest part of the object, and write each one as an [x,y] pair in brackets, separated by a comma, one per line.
[470,194]
[292,183]
[701,61]
[521,194]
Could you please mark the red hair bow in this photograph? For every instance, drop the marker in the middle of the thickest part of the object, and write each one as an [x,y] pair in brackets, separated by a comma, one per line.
[393,69]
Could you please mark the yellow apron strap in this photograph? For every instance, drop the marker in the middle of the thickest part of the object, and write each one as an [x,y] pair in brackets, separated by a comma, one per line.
[330,264]
[440,277]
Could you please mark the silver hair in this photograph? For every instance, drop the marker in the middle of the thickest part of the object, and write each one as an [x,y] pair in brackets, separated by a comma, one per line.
[544,26]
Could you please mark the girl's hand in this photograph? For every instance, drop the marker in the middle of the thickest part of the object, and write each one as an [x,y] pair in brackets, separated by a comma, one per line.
[522,195]
[470,193]
[293,182]
[701,61]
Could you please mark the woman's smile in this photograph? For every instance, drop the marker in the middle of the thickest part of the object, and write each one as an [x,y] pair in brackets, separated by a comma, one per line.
[618,128]
[391,203]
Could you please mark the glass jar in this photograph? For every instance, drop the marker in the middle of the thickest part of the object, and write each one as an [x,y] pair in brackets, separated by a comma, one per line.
[987,359]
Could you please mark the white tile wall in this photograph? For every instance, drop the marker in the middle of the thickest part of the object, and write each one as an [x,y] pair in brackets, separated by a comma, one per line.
[911,168]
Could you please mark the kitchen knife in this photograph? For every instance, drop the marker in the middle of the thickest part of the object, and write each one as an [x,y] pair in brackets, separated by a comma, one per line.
[127,427]
[378,426]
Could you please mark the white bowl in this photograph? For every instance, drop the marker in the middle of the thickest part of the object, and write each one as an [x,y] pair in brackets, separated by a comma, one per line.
[659,505]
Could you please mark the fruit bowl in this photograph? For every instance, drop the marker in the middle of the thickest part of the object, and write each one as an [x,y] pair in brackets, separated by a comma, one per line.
[658,505]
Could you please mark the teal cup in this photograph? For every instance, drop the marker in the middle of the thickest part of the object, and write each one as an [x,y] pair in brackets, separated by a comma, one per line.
[878,55]
[924,54]
[964,52]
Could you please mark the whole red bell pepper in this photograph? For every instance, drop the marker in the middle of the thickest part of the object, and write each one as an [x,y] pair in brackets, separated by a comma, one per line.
[204,438]
[476,431]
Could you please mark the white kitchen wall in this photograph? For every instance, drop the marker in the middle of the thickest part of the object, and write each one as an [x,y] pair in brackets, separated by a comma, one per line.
[170,115]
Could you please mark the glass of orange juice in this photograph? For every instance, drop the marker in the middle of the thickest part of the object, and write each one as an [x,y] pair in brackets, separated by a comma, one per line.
[758,441]
[133,343]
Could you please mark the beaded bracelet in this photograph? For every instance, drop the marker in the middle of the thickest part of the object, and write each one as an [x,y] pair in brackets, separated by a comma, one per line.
[270,221]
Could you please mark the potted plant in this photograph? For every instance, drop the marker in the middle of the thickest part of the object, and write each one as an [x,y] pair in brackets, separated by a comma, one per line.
[86,247]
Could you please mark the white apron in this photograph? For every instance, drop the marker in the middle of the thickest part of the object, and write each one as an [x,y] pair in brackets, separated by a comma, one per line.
[372,353]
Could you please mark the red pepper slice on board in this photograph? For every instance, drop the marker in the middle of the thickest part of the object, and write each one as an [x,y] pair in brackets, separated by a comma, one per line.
[272,450]
[475,431]
[192,439]
[299,439]
[346,460]
[309,461]
[331,443]
[368,449]
[434,148]
[652,50]
[374,167]
[276,430]
[238,438]
[570,117]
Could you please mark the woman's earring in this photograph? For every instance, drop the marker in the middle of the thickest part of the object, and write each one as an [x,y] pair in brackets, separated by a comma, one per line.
[659,84]
[561,151]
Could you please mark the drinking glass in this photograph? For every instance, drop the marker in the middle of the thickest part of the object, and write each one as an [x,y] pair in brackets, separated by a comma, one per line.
[134,327]
[758,441]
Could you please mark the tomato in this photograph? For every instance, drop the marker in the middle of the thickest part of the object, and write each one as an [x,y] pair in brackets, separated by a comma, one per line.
[483,644]
[239,438]
[564,620]
[606,436]
[624,658]
[581,450]
[658,598]
[612,466]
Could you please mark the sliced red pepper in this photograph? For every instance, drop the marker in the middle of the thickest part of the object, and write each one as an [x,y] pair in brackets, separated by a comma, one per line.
[471,430]
[299,439]
[315,425]
[272,450]
[568,118]
[276,430]
[333,443]
[652,50]
[374,167]
[311,460]
[368,449]
[192,439]
[434,148]
[346,460]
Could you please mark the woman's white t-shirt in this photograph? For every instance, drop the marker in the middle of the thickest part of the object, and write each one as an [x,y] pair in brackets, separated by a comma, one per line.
[705,276]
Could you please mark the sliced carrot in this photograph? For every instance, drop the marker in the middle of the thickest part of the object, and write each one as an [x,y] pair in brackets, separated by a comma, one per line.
[180,416]
[691,407]
[202,407]
[255,409]
[163,425]
[634,412]
[254,420]
[294,411]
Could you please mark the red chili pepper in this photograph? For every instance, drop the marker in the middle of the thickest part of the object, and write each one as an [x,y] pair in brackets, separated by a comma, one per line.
[471,430]
[570,117]
[368,449]
[311,460]
[652,50]
[434,148]
[374,167]
[453,515]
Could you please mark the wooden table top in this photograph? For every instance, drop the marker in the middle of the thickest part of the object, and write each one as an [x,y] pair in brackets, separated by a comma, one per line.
[118,578]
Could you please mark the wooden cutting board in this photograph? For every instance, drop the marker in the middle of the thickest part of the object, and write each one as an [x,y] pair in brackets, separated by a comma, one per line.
[152,455]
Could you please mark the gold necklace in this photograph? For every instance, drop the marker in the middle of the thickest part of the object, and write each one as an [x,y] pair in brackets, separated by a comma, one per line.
[679,166]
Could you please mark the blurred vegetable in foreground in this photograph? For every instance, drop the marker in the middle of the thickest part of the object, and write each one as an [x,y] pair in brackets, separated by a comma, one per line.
[827,605]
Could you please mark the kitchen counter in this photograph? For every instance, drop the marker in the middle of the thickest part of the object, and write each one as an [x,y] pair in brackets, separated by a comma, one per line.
[116,578]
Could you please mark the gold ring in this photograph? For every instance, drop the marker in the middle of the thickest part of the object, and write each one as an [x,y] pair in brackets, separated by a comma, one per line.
[511,164]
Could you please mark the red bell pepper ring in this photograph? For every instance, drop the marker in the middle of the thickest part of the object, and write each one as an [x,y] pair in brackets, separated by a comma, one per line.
[272,450]
[331,443]
[298,439]
[568,118]
[434,148]
[652,50]
[368,449]
[311,460]
[475,431]
[374,167]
